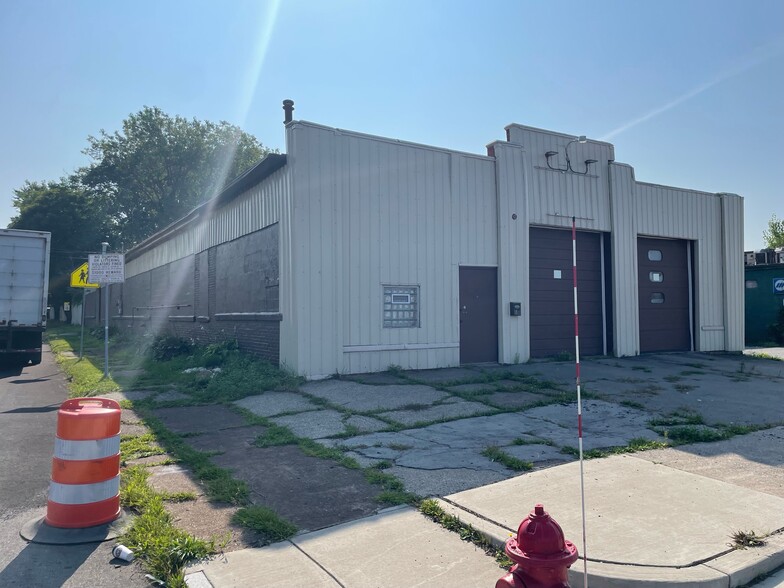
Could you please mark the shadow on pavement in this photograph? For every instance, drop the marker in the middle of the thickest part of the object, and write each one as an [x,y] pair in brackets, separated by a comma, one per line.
[45,566]
[30,381]
[31,409]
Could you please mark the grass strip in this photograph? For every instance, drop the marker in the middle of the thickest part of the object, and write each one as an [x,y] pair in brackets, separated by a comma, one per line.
[432,510]
[264,520]
[684,434]
[393,490]
[276,435]
[635,445]
[138,446]
[156,542]
[494,453]
[84,376]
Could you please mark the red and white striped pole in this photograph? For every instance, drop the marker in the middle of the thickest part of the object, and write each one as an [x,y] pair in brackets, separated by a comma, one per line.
[579,397]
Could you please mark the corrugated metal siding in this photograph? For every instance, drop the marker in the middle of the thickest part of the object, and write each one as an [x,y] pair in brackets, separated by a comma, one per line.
[289,349]
[255,209]
[734,318]
[376,212]
[562,192]
[623,243]
[513,237]
[173,249]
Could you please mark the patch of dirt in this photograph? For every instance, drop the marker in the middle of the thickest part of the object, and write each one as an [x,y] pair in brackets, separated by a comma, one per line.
[207,520]
[310,492]
[172,479]
[202,518]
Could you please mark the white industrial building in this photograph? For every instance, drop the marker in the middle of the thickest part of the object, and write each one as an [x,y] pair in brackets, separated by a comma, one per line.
[395,253]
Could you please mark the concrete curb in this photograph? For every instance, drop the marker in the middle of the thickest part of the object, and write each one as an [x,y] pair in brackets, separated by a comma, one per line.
[730,570]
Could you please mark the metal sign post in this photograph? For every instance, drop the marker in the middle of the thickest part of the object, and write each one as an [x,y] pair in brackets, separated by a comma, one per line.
[104,246]
[81,339]
[106,269]
[79,280]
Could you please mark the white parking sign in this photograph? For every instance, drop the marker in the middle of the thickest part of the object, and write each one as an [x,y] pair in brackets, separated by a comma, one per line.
[106,268]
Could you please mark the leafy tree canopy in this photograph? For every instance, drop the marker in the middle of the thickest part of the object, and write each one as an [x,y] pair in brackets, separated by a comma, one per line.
[774,234]
[142,178]
[73,216]
[159,167]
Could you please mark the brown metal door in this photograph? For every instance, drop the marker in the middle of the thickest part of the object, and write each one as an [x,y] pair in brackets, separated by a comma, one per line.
[663,283]
[478,315]
[552,292]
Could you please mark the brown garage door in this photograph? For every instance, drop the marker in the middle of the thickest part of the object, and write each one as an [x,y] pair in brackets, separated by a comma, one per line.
[663,282]
[478,314]
[552,294]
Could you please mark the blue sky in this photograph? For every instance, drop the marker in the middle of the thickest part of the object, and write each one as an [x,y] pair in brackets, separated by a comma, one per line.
[690,92]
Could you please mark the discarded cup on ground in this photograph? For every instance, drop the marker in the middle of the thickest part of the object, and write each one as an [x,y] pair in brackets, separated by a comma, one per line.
[122,552]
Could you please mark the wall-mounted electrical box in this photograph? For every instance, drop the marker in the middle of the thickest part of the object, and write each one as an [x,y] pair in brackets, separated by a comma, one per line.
[515,308]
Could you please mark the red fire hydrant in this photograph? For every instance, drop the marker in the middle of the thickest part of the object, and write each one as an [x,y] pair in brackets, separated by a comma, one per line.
[541,554]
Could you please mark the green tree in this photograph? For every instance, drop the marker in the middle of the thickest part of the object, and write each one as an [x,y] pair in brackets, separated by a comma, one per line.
[73,216]
[158,168]
[774,234]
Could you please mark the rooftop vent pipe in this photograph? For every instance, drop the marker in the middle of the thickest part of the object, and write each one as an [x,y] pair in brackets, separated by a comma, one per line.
[288,108]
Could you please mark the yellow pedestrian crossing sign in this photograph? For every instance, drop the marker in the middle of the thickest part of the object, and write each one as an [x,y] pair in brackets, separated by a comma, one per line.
[79,278]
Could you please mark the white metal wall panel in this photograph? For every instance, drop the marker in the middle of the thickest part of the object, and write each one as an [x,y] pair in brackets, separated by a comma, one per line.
[289,350]
[373,212]
[556,196]
[623,240]
[374,361]
[513,261]
[170,250]
[252,210]
[734,272]
[472,180]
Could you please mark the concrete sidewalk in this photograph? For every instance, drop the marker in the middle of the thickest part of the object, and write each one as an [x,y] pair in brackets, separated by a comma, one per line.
[648,525]
[395,548]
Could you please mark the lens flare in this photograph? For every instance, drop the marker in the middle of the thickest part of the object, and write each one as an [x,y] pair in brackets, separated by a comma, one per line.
[181,273]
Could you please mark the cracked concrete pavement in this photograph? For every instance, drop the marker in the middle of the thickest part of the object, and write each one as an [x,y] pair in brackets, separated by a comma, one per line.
[432,428]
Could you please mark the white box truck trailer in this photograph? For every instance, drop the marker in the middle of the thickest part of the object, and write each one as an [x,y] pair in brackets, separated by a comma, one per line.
[24,289]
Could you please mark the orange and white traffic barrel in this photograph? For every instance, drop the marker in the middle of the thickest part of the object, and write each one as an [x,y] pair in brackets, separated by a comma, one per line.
[85,486]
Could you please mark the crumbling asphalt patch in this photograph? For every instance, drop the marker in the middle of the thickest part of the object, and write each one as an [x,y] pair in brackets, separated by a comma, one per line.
[310,492]
[199,419]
